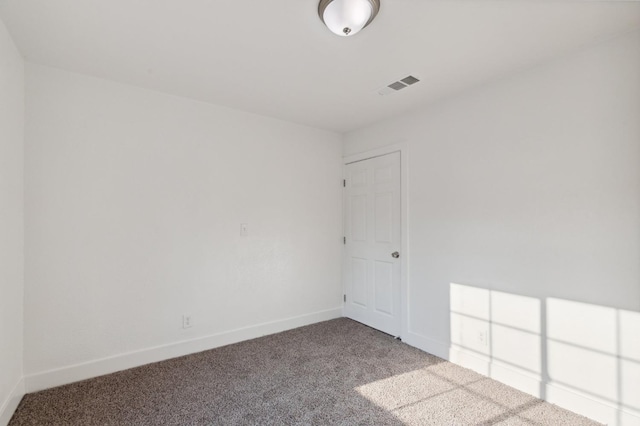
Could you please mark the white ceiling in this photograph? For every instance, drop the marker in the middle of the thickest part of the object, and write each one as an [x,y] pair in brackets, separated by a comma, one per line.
[276,58]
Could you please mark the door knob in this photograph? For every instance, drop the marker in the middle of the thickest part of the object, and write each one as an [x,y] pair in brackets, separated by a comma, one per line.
[395,255]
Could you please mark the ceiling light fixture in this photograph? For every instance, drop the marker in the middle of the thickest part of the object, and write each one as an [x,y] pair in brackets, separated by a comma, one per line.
[347,17]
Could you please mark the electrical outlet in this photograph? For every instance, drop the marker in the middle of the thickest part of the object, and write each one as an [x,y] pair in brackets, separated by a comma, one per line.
[187,321]
[482,338]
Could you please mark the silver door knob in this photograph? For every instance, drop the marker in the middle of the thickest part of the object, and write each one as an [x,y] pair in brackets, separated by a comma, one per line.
[395,255]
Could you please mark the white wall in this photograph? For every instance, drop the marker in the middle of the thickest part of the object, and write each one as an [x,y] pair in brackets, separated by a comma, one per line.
[524,227]
[11,223]
[134,201]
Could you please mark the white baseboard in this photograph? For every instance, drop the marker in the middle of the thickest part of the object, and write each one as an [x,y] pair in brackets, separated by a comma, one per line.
[570,399]
[591,407]
[99,367]
[427,344]
[9,405]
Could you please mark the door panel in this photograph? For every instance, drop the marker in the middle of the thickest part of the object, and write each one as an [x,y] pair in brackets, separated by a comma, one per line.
[359,218]
[384,217]
[372,231]
[383,279]
[359,267]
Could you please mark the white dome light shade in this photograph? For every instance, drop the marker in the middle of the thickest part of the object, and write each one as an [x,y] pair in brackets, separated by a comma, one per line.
[347,17]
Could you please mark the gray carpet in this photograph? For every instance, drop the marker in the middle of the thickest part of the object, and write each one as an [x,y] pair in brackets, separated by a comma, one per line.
[335,372]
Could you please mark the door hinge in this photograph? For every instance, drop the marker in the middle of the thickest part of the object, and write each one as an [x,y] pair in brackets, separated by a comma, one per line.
[344,240]
[344,298]
[344,183]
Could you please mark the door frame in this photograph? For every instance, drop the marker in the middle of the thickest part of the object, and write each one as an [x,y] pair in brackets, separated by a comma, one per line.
[403,148]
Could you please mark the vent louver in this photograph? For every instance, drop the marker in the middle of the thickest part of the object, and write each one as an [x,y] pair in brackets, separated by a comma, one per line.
[398,85]
[409,80]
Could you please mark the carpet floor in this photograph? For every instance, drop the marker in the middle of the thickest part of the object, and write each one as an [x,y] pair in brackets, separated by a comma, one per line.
[334,372]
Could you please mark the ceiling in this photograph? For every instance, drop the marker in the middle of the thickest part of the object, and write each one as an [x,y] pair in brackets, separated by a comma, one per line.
[276,58]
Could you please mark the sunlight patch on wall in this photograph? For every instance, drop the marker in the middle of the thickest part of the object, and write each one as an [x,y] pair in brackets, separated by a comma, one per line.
[595,350]
[568,350]
[629,332]
[502,326]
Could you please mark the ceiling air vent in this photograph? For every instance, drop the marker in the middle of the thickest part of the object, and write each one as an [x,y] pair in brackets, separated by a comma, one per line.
[398,85]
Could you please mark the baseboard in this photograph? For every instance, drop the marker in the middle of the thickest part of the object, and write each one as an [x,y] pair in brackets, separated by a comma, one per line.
[570,399]
[590,407]
[99,367]
[427,344]
[9,405]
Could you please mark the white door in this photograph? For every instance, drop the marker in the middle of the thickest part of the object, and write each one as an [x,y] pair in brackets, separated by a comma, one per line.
[372,242]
